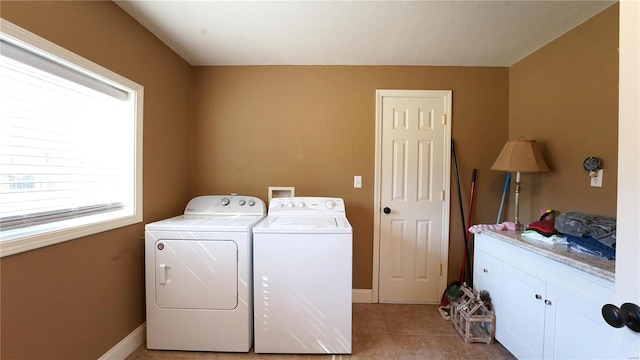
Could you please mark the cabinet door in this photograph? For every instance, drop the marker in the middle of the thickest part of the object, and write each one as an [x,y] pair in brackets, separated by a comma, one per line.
[523,313]
[575,328]
[487,275]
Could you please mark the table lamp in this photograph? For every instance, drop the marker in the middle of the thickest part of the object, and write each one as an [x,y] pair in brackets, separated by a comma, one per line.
[520,156]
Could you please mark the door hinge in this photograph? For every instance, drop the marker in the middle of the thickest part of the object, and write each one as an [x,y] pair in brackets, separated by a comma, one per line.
[444,119]
[440,269]
[442,195]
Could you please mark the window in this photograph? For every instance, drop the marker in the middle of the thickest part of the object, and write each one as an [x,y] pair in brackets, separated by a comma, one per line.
[70,145]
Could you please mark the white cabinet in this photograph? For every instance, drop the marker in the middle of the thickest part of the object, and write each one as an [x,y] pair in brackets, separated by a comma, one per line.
[576,328]
[487,275]
[544,309]
[523,313]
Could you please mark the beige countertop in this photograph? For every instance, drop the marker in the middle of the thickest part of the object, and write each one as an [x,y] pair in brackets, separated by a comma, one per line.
[590,264]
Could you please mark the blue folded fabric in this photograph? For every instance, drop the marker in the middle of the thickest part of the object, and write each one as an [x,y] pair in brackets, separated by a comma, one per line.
[592,247]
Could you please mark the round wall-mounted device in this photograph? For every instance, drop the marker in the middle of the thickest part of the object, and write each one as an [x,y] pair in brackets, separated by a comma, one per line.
[591,164]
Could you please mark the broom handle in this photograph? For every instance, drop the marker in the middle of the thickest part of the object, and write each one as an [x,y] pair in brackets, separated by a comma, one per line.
[504,195]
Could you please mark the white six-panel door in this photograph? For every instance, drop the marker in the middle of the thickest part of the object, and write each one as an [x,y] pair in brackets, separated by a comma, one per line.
[412,185]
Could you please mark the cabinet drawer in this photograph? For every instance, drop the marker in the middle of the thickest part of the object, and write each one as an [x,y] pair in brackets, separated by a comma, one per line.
[487,268]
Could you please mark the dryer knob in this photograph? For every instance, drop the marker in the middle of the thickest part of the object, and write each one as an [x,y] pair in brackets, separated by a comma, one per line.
[251,202]
[224,201]
[330,204]
[241,202]
[290,205]
[301,205]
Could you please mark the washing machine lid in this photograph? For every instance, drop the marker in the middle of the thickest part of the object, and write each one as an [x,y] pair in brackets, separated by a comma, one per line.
[315,222]
[206,223]
[321,224]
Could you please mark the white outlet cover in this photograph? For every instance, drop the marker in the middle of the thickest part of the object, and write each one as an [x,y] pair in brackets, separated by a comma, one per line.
[357,182]
[596,181]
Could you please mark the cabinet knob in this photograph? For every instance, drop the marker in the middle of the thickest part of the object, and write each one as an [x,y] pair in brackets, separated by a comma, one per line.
[386,210]
[627,314]
[547,302]
[485,270]
[538,296]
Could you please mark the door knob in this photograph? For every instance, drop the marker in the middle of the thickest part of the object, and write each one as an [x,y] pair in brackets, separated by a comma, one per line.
[627,314]
[386,210]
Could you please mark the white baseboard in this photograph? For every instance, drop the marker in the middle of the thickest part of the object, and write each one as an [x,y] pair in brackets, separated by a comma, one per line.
[127,345]
[362,296]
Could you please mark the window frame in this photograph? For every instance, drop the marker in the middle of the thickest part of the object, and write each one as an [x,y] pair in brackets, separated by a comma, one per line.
[50,234]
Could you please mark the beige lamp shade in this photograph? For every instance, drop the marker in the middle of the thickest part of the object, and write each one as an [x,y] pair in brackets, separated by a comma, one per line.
[520,155]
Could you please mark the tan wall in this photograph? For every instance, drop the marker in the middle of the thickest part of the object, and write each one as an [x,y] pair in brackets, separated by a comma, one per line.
[77,299]
[565,96]
[313,127]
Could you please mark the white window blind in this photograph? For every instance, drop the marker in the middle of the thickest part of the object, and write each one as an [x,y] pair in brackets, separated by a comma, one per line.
[48,64]
[68,143]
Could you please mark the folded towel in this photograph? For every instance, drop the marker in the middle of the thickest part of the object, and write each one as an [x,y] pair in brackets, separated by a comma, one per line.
[544,227]
[504,226]
[553,239]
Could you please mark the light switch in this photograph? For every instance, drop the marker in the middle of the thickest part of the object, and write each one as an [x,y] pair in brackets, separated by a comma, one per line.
[357,182]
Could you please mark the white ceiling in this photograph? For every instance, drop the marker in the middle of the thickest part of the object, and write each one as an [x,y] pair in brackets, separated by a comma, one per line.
[462,33]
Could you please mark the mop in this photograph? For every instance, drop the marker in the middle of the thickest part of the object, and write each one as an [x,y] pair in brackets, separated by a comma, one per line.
[504,195]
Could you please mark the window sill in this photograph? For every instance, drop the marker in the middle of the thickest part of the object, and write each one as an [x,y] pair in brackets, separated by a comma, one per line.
[20,240]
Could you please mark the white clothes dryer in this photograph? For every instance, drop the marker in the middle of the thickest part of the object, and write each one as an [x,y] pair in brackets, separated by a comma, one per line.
[302,254]
[199,276]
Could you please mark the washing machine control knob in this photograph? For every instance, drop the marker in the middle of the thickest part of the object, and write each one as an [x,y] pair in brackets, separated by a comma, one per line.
[251,202]
[241,202]
[301,204]
[290,205]
[225,201]
[330,204]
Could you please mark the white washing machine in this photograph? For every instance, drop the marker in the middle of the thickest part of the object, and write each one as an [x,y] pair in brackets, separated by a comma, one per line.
[302,263]
[199,276]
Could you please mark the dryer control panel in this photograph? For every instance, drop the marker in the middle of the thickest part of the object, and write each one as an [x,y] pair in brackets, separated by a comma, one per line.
[225,205]
[308,205]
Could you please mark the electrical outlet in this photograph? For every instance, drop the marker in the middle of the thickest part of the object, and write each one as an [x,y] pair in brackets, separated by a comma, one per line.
[357,182]
[596,181]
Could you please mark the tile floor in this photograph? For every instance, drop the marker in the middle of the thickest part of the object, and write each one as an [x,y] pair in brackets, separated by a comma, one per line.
[380,331]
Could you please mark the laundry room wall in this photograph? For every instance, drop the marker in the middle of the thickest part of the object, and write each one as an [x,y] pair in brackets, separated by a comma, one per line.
[313,128]
[77,299]
[565,95]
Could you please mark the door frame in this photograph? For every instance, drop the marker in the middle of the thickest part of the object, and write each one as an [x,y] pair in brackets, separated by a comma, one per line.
[444,252]
[627,286]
